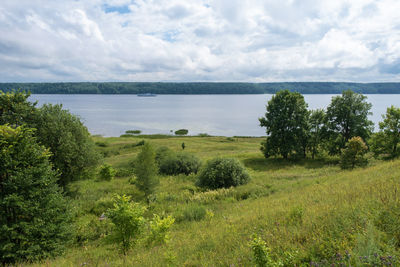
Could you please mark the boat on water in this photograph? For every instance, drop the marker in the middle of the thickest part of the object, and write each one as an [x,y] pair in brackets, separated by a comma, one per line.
[147,94]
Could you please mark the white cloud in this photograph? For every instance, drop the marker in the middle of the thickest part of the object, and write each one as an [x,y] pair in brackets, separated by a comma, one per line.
[205,40]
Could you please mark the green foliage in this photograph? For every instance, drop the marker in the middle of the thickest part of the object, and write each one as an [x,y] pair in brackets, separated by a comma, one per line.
[160,230]
[106,173]
[128,221]
[133,132]
[177,163]
[261,253]
[347,117]
[90,228]
[317,130]
[15,109]
[73,151]
[146,170]
[201,87]
[286,125]
[388,138]
[34,218]
[181,132]
[353,154]
[222,173]
[163,153]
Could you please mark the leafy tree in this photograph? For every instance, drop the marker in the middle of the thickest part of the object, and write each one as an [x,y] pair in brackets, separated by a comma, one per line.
[34,218]
[15,109]
[182,132]
[222,173]
[388,138]
[146,170]
[73,151]
[286,125]
[128,221]
[317,130]
[347,116]
[354,153]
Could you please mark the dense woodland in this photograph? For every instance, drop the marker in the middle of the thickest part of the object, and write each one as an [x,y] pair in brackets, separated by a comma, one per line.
[323,190]
[201,88]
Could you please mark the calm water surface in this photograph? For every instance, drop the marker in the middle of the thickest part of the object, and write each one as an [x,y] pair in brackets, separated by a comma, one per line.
[227,115]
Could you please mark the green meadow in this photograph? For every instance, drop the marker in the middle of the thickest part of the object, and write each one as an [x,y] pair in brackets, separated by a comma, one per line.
[308,212]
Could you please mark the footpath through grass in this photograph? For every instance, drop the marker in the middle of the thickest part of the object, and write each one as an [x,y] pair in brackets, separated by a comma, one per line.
[309,212]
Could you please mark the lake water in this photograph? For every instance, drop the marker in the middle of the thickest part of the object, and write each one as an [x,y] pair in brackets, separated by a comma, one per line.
[226,115]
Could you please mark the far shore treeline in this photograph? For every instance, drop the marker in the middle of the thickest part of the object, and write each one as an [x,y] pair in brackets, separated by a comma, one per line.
[201,87]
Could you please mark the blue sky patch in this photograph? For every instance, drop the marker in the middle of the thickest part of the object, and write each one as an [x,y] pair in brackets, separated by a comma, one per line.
[119,9]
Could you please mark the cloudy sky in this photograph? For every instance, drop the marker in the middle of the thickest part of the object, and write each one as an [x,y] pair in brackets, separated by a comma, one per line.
[199,40]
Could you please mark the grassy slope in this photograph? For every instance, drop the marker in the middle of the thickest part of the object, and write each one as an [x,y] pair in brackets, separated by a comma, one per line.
[309,209]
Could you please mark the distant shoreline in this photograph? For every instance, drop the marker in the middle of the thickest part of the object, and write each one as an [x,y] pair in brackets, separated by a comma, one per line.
[200,88]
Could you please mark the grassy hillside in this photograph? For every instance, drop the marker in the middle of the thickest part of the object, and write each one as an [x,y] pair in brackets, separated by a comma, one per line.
[308,211]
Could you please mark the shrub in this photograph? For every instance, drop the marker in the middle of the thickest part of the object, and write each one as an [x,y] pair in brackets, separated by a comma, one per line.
[106,173]
[179,163]
[163,153]
[353,154]
[133,132]
[261,253]
[159,230]
[146,170]
[181,132]
[101,144]
[222,173]
[128,222]
[34,218]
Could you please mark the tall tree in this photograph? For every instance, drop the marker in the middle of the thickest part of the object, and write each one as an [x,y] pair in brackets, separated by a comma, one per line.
[15,109]
[73,151]
[388,137]
[347,117]
[146,170]
[286,123]
[34,219]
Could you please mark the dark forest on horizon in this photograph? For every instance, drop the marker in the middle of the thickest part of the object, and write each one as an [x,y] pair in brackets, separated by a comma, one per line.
[200,87]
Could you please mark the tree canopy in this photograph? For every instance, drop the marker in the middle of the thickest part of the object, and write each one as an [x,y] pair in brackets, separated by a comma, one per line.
[34,219]
[286,123]
[73,151]
[347,117]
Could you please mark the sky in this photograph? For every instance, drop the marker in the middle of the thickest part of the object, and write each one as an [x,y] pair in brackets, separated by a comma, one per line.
[199,40]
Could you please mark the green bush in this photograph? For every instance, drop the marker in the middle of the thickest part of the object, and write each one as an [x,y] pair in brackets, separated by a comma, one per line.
[181,132]
[127,219]
[34,217]
[179,163]
[222,173]
[106,173]
[163,153]
[133,132]
[159,230]
[261,253]
[354,153]
[101,144]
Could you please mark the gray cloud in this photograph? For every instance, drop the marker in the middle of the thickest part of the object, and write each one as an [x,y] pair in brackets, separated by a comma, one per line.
[205,40]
